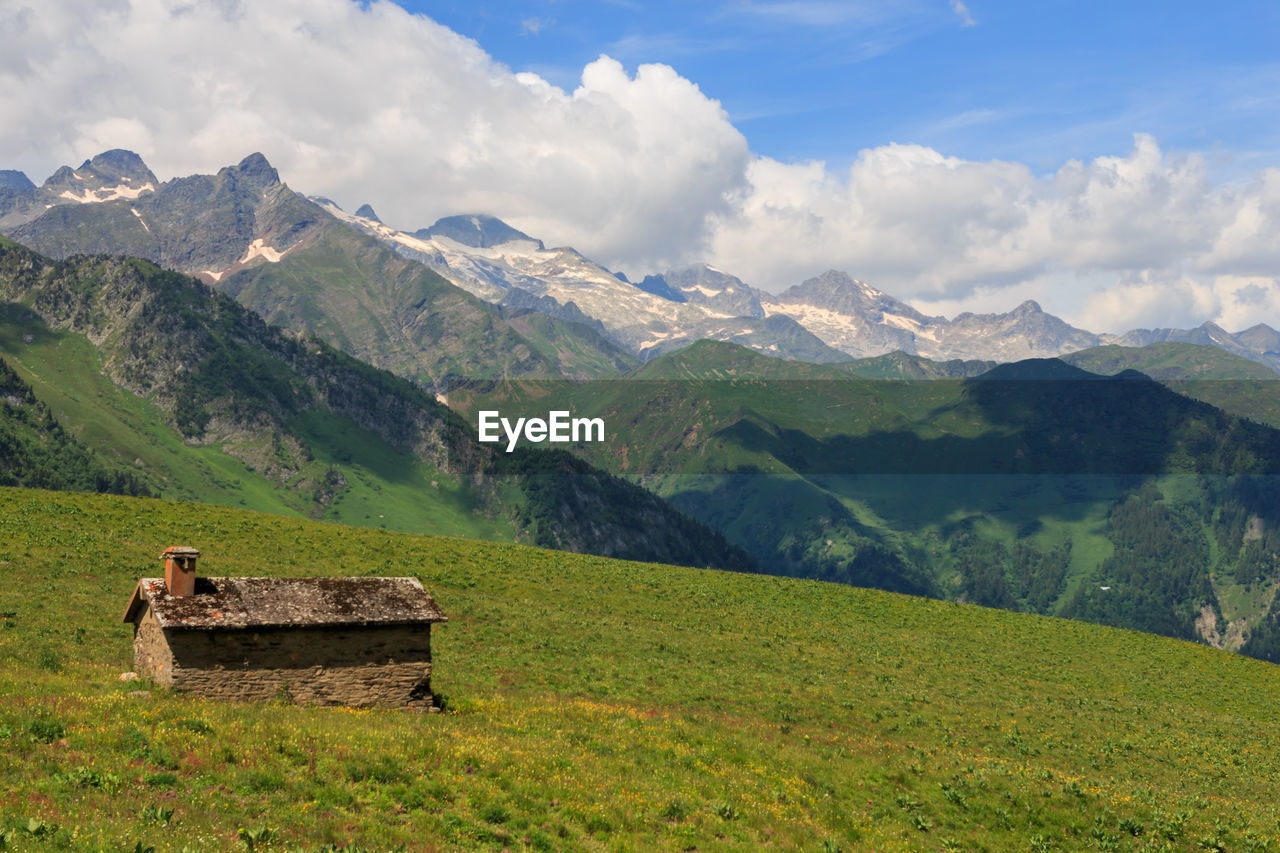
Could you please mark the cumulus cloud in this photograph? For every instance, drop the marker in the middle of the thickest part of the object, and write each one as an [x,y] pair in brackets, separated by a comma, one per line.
[370,104]
[1149,300]
[1146,232]
[639,170]
[1245,301]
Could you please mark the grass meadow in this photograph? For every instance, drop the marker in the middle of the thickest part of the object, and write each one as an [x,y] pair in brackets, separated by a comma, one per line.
[602,705]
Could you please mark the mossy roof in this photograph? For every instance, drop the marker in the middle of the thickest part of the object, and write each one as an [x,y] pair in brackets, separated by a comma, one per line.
[233,603]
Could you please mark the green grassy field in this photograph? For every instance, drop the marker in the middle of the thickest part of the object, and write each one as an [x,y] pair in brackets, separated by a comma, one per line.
[603,705]
[64,370]
[384,488]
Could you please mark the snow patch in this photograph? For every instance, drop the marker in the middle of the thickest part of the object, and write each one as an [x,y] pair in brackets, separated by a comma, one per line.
[259,249]
[512,249]
[659,339]
[135,212]
[522,249]
[216,276]
[414,243]
[900,322]
[108,193]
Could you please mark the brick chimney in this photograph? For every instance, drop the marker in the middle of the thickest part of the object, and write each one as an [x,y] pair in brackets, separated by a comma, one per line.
[180,570]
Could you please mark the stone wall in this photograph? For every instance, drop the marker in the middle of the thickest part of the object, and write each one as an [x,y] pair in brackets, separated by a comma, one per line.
[384,666]
[151,654]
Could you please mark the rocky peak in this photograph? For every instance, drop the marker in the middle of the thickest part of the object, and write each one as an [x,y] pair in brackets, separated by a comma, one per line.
[716,289]
[1261,337]
[365,211]
[657,285]
[254,171]
[114,168]
[12,179]
[840,292]
[478,231]
[122,164]
[1214,332]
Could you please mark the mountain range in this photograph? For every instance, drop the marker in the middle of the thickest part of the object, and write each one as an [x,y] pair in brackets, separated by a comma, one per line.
[129,378]
[305,263]
[1033,485]
[280,254]
[826,319]
[1015,480]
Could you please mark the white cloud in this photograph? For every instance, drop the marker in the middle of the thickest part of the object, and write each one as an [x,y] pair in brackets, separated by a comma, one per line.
[1245,301]
[1147,230]
[962,12]
[370,103]
[1149,300]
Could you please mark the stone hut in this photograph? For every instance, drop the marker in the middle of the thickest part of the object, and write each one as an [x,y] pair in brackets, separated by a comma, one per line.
[325,641]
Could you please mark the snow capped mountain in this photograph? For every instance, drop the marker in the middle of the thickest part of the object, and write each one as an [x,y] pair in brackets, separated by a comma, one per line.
[490,259]
[714,289]
[115,174]
[477,231]
[217,226]
[857,319]
[211,226]
[832,317]
[854,317]
[110,176]
[1024,332]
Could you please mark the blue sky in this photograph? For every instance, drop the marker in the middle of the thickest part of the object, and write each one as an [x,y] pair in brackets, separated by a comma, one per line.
[1035,82]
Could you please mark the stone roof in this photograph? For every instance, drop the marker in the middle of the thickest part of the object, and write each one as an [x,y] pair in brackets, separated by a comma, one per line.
[222,603]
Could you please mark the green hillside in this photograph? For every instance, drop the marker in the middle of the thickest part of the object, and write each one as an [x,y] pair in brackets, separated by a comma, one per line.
[1172,361]
[575,350]
[360,296]
[901,365]
[1037,486]
[196,398]
[601,705]
[1207,373]
[36,452]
